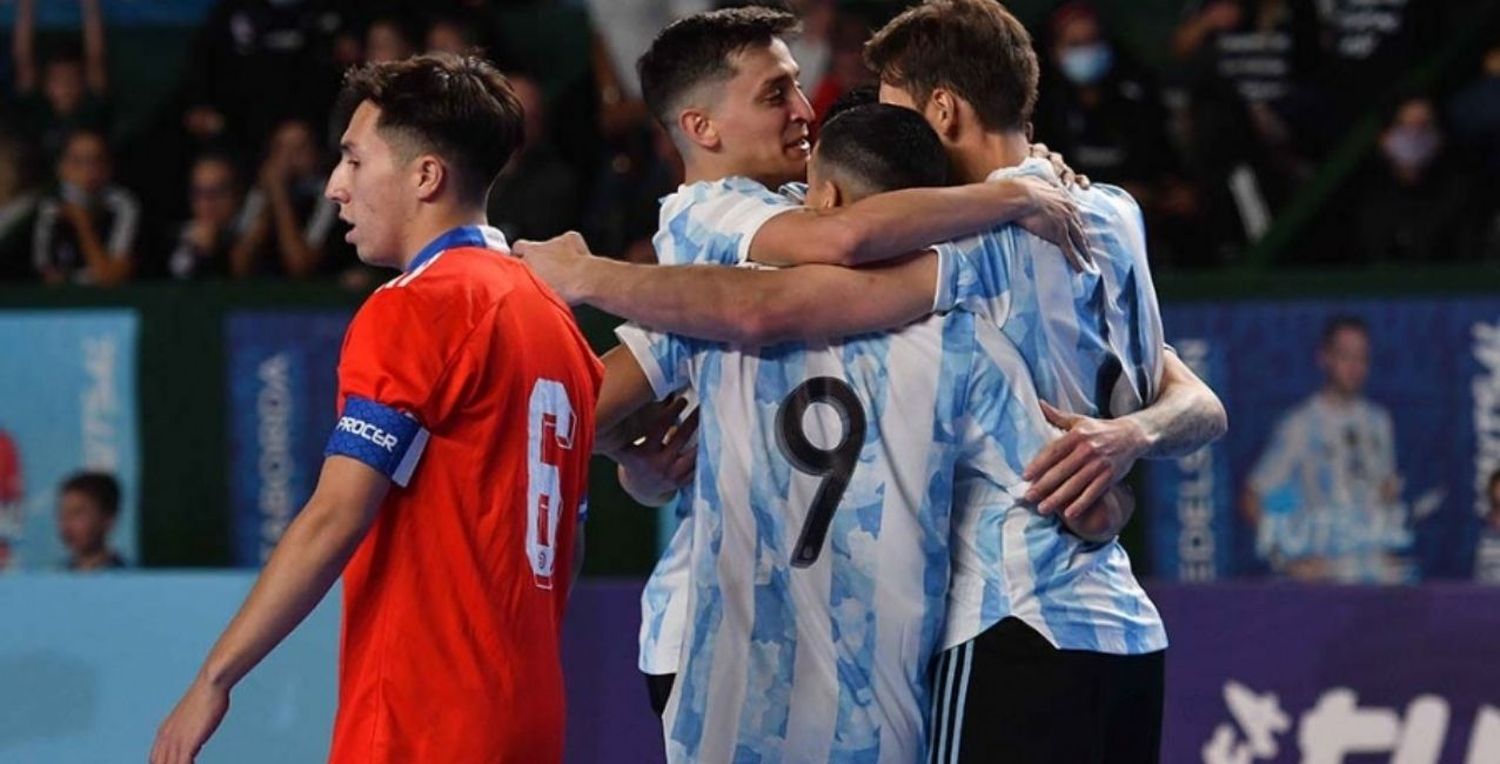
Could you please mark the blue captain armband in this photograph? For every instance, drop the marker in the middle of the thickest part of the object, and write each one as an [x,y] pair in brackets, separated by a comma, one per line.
[387,440]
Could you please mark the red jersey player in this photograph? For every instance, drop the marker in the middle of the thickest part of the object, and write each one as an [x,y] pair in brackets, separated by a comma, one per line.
[456,471]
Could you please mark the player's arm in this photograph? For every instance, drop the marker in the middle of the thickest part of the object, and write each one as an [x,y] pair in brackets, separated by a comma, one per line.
[897,223]
[1075,470]
[308,559]
[23,46]
[739,305]
[96,72]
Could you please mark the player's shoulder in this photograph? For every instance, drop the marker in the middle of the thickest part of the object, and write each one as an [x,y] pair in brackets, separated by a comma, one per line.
[451,289]
[731,190]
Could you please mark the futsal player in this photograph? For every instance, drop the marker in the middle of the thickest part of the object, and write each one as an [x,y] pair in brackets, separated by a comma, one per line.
[455,476]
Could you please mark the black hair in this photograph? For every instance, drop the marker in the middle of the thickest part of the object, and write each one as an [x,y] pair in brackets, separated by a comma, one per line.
[880,147]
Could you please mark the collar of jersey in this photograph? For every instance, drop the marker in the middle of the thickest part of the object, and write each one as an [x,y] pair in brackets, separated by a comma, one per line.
[463,236]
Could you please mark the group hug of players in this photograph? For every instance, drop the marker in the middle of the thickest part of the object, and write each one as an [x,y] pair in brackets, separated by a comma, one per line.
[920,356]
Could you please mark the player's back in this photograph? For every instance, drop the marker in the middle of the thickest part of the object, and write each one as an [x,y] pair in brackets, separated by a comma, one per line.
[820,547]
[1094,343]
[454,602]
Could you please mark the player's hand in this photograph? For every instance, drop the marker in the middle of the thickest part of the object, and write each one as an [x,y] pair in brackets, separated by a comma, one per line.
[558,261]
[1055,217]
[76,215]
[1073,471]
[195,718]
[1060,166]
[662,456]
[1105,518]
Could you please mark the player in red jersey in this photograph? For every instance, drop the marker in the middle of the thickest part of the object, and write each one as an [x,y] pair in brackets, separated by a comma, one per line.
[456,473]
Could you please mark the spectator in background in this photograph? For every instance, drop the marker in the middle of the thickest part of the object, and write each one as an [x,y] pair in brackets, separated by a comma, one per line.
[846,68]
[1487,557]
[1252,106]
[536,195]
[205,241]
[287,220]
[88,503]
[1370,45]
[1417,205]
[86,232]
[70,90]
[389,38]
[1322,493]
[18,203]
[256,61]
[1107,118]
[1474,115]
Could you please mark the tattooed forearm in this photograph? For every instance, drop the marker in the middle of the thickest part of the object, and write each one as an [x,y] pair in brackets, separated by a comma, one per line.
[1186,417]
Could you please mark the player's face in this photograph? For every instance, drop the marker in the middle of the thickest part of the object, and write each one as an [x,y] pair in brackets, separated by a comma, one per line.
[762,116]
[370,186]
[1346,361]
[81,524]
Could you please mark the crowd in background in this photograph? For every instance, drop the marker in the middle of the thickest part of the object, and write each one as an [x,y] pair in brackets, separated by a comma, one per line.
[1381,116]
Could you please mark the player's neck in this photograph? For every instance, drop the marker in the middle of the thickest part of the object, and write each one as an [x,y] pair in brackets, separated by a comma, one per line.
[432,223]
[1335,397]
[985,152]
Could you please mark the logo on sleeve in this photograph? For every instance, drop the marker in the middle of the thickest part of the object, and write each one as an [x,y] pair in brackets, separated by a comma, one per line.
[362,429]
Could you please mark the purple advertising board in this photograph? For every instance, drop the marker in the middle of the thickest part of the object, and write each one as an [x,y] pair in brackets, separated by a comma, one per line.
[1255,673]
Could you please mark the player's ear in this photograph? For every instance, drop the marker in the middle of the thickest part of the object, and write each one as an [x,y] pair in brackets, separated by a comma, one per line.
[942,112]
[831,195]
[430,174]
[698,128]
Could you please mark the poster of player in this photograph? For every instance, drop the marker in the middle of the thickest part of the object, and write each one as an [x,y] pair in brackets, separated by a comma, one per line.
[1364,437]
[67,406]
[282,378]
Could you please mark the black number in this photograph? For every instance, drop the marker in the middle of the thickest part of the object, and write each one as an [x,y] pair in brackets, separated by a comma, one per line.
[835,465]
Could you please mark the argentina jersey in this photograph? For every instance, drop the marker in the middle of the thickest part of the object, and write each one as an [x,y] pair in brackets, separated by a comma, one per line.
[707,223]
[1093,342]
[819,555]
[819,531]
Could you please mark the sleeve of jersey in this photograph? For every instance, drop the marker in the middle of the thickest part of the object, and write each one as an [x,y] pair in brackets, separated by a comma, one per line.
[718,229]
[389,375]
[666,359]
[970,278]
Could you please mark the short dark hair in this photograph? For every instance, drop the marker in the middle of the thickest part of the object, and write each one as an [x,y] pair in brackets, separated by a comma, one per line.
[864,95]
[100,487]
[880,147]
[975,48]
[695,50]
[458,107]
[1340,323]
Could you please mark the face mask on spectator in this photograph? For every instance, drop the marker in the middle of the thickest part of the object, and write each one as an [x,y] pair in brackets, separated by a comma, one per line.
[1411,148]
[73,193]
[1086,64]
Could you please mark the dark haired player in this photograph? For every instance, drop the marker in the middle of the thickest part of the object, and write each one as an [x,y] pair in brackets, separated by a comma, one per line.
[455,476]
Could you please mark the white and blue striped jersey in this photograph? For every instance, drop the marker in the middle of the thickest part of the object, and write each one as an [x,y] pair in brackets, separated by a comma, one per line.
[691,222]
[806,649]
[800,647]
[664,598]
[1093,341]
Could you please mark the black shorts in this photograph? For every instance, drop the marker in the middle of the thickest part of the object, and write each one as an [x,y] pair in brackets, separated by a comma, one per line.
[1009,696]
[659,689]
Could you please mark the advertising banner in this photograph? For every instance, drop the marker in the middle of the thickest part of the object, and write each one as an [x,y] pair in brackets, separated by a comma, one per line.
[283,387]
[67,404]
[1385,482]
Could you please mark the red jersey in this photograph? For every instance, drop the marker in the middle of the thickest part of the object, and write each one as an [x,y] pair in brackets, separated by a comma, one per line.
[467,382]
